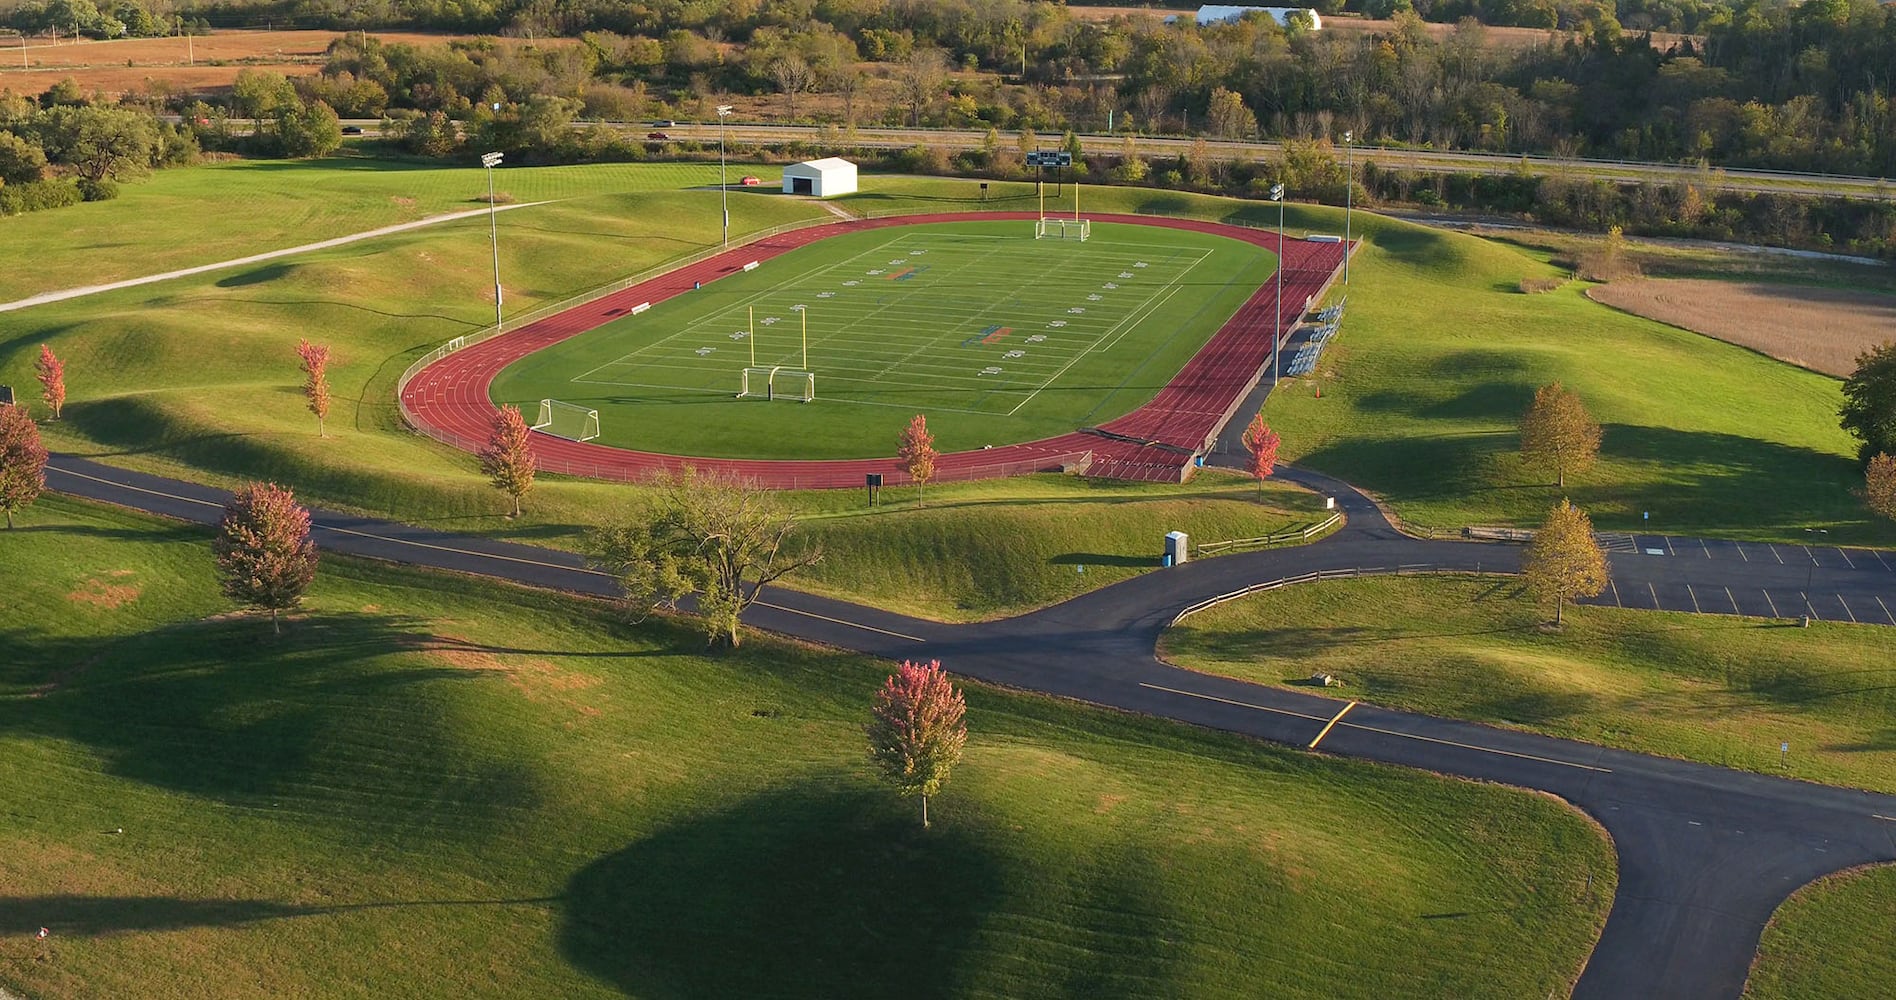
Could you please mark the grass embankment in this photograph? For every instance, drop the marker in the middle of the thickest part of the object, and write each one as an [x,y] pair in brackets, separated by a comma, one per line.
[985,550]
[1722,690]
[432,786]
[1831,939]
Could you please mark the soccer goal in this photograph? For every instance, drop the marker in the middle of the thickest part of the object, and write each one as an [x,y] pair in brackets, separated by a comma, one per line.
[777,383]
[567,420]
[1063,229]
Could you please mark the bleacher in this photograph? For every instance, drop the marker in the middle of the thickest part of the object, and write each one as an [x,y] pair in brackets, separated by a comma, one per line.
[1305,360]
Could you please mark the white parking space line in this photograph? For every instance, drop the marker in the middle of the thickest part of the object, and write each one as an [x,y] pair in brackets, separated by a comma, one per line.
[1812,555]
[1695,604]
[1774,552]
[1846,609]
[1741,552]
[1846,558]
[1668,540]
[1886,614]
[1879,558]
[1772,603]
[1705,548]
[1655,595]
[1734,602]
[1810,608]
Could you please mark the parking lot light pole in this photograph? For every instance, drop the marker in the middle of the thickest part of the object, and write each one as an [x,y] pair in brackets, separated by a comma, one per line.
[490,161]
[1277,323]
[724,192]
[1810,572]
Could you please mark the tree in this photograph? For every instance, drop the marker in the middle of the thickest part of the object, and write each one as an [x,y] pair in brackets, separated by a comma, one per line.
[1228,116]
[263,549]
[1262,443]
[21,162]
[715,536]
[100,144]
[51,373]
[1558,433]
[22,460]
[305,131]
[793,76]
[1564,561]
[508,458]
[1869,401]
[917,730]
[916,450]
[1879,485]
[315,379]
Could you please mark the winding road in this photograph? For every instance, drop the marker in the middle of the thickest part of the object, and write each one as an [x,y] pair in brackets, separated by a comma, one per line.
[1706,853]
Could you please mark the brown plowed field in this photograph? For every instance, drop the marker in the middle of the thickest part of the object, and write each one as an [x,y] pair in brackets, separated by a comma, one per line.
[1823,329]
[126,64]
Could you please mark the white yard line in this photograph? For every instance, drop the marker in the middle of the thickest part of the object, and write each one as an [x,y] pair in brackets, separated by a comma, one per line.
[150,279]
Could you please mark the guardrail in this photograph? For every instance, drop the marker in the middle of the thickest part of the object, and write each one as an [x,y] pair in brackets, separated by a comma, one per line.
[1353,573]
[1265,541]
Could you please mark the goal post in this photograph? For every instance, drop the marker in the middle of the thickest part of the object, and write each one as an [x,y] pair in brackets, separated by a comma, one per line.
[1046,228]
[567,420]
[777,383]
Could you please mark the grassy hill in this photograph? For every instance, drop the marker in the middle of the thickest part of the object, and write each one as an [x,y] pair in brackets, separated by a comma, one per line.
[431,786]
[1830,940]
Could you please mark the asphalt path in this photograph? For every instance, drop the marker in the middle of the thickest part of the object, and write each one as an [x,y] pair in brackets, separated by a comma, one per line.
[1706,854]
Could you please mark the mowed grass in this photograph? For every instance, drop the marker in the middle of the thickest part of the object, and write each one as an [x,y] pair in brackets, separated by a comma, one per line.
[994,336]
[1831,939]
[973,553]
[1717,689]
[431,786]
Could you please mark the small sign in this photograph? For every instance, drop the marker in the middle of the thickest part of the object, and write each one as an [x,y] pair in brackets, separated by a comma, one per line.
[1784,748]
[1645,515]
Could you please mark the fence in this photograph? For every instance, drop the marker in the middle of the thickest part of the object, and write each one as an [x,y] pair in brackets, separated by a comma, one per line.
[1353,573]
[1266,541]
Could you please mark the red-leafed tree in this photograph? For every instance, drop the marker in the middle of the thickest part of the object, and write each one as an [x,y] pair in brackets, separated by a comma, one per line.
[51,373]
[507,459]
[315,379]
[916,450]
[263,549]
[917,730]
[22,460]
[1262,443]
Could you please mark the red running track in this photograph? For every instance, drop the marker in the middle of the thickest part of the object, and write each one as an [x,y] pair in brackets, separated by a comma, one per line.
[449,401]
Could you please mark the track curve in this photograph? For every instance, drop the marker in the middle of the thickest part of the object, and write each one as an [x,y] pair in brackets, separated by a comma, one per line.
[449,401]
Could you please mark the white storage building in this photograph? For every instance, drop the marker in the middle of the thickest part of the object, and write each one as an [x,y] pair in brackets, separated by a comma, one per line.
[825,178]
[1217,14]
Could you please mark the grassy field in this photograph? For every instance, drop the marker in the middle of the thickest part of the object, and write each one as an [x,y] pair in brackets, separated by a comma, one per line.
[1717,689]
[995,336]
[435,787]
[1831,939]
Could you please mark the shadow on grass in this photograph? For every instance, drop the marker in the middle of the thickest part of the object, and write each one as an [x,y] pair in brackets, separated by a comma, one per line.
[824,890]
[319,720]
[97,916]
[1102,559]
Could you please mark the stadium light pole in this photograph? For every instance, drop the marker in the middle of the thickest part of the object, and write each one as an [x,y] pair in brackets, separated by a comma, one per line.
[1277,322]
[490,161]
[724,191]
[1349,195]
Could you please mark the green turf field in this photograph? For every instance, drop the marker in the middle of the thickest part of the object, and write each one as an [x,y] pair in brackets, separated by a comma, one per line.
[995,336]
[437,787]
[1713,688]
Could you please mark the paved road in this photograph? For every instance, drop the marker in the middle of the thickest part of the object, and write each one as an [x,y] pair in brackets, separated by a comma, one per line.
[1706,854]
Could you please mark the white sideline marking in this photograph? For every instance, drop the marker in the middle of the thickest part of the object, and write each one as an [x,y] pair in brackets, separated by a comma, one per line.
[74,293]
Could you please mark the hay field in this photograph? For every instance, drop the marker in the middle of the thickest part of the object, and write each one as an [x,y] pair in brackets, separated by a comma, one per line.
[198,63]
[1822,329]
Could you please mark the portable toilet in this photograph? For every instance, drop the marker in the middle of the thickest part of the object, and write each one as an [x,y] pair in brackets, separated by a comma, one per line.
[1177,548]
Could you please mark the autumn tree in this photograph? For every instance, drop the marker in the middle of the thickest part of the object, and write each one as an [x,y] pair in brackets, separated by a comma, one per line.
[1869,401]
[716,537]
[1558,434]
[507,458]
[917,730]
[263,549]
[1564,561]
[1228,116]
[1879,485]
[916,450]
[22,460]
[51,373]
[315,379]
[1262,443]
[793,76]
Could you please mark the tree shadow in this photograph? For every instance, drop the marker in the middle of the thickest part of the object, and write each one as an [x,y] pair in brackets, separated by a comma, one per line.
[1103,559]
[98,916]
[826,890]
[255,276]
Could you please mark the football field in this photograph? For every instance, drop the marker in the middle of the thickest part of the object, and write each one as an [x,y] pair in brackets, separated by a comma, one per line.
[996,336]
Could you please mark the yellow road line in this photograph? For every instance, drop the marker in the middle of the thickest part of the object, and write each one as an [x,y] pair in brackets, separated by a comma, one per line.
[1482,749]
[1227,701]
[839,621]
[139,489]
[1326,729]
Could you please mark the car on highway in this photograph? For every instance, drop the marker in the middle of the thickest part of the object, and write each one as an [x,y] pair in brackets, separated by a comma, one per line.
[750,182]
[352,130]
[656,135]
[665,123]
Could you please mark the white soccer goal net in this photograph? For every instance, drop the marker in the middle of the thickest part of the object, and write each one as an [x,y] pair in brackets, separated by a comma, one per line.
[1047,228]
[777,383]
[567,420]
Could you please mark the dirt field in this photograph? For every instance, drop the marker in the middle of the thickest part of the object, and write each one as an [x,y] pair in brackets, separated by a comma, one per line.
[128,64]
[1823,329]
